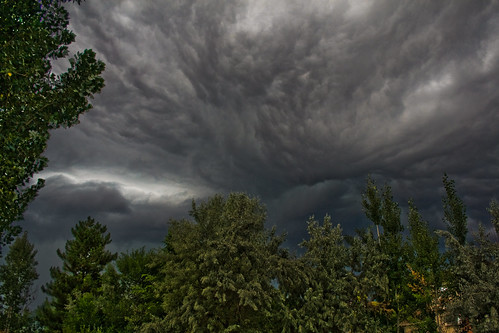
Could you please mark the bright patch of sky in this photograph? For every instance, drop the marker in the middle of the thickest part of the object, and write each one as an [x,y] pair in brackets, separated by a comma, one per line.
[358,8]
[423,101]
[132,187]
[491,54]
[259,16]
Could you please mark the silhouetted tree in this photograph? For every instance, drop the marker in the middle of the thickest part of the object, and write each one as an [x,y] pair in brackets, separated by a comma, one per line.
[17,276]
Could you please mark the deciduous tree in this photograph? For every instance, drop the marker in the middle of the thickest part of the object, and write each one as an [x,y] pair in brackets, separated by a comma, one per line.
[128,298]
[371,290]
[426,265]
[219,269]
[380,207]
[33,99]
[454,211]
[328,302]
[475,274]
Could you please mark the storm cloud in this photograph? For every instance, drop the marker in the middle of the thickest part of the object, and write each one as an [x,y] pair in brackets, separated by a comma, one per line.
[291,101]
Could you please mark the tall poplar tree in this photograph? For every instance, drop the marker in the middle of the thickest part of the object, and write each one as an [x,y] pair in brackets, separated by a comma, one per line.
[426,265]
[454,211]
[380,207]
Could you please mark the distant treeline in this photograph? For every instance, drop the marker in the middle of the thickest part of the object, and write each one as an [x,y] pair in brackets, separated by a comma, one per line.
[223,271]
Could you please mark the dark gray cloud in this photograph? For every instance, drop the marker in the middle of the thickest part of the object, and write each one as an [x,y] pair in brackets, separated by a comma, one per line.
[295,102]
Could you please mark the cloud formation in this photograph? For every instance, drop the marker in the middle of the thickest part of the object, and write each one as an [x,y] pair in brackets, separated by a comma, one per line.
[295,102]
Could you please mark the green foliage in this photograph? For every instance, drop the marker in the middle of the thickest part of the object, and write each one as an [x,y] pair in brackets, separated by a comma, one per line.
[475,274]
[411,268]
[425,256]
[383,211]
[129,298]
[223,271]
[328,300]
[33,100]
[292,278]
[125,300]
[219,268]
[82,312]
[17,275]
[80,278]
[372,202]
[454,211]
[494,214]
[371,290]
[426,266]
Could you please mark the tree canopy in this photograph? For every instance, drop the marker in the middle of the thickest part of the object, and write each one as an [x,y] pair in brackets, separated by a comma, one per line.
[34,99]
[218,268]
[224,271]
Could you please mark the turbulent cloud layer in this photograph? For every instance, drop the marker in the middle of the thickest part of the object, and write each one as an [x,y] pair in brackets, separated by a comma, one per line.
[294,101]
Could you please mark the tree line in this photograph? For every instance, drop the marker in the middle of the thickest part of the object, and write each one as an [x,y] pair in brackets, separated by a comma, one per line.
[221,270]
[224,271]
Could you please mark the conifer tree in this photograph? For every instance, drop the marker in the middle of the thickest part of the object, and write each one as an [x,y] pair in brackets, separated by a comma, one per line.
[84,260]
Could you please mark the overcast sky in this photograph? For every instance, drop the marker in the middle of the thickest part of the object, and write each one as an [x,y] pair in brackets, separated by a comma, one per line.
[293,101]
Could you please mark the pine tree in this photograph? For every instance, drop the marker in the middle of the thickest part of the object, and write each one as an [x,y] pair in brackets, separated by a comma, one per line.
[17,276]
[84,260]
